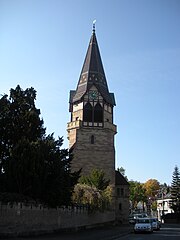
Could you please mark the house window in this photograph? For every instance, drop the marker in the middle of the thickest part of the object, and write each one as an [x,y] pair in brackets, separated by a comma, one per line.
[92,139]
[120,206]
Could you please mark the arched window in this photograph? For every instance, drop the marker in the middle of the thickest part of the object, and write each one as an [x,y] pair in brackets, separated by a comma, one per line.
[98,113]
[92,139]
[87,113]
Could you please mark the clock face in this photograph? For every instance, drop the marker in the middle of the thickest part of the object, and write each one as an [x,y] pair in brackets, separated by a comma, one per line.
[93,95]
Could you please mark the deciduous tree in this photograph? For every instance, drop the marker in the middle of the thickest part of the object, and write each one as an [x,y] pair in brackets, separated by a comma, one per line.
[137,193]
[93,190]
[151,186]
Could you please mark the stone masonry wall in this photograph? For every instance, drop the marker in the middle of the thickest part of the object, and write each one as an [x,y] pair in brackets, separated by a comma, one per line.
[28,220]
[100,155]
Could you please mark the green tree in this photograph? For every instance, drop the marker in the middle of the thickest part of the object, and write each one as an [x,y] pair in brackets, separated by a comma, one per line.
[137,193]
[93,190]
[19,119]
[96,179]
[92,197]
[31,163]
[175,190]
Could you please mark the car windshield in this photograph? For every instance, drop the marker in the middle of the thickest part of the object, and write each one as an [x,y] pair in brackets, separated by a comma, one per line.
[143,220]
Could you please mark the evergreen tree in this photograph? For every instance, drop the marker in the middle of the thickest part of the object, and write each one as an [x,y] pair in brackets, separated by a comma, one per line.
[175,190]
[96,178]
[31,163]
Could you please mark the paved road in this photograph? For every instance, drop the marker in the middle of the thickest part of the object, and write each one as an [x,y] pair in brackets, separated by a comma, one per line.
[167,232]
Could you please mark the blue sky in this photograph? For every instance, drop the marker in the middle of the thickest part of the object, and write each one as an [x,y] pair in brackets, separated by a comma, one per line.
[43,44]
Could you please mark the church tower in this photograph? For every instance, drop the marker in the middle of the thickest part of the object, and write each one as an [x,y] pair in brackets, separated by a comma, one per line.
[91,129]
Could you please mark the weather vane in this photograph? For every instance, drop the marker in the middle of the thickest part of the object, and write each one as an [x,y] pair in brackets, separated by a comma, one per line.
[94,22]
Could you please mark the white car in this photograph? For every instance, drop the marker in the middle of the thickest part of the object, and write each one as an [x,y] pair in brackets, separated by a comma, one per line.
[155,224]
[143,225]
[133,217]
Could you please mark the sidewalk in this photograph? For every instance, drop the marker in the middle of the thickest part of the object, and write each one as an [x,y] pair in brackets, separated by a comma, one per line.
[109,232]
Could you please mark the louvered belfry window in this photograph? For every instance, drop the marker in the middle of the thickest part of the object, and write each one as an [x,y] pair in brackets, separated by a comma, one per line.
[93,114]
[88,113]
[98,113]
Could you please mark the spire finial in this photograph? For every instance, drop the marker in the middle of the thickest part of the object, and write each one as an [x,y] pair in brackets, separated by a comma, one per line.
[94,25]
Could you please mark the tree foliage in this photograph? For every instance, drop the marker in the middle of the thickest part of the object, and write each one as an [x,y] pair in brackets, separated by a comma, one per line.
[151,187]
[95,179]
[31,163]
[137,193]
[92,197]
[175,190]
[93,190]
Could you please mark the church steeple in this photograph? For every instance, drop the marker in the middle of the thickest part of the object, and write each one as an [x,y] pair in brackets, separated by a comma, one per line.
[91,129]
[92,73]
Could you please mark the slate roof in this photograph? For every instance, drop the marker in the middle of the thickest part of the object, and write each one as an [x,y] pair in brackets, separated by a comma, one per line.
[92,74]
[120,179]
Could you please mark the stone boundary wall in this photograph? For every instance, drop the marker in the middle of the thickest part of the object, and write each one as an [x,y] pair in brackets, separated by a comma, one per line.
[23,220]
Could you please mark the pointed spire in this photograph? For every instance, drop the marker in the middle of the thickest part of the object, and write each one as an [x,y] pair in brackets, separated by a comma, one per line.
[92,72]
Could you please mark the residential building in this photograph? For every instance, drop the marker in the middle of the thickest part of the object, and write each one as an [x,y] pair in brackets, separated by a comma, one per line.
[164,205]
